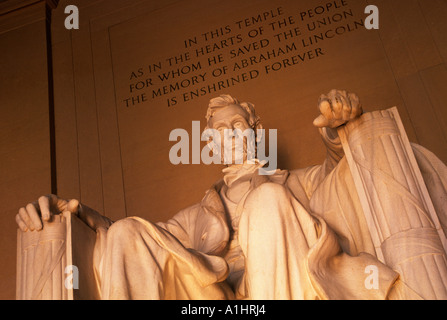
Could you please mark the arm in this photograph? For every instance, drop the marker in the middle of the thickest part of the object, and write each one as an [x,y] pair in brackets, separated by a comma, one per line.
[93,218]
[336,109]
[334,150]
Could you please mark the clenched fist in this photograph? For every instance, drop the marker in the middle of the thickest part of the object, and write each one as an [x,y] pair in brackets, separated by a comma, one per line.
[337,108]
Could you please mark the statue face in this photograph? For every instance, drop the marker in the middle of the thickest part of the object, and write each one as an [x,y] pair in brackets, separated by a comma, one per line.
[226,121]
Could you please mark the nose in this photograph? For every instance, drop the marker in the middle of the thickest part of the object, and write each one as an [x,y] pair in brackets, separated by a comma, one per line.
[230,133]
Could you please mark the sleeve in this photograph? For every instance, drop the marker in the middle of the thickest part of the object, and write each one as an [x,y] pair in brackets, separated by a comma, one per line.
[182,225]
[303,182]
[334,150]
[200,227]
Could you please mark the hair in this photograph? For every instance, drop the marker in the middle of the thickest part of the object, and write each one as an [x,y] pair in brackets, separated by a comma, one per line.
[226,100]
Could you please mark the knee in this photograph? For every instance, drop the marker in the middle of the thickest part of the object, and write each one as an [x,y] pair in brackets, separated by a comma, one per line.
[266,193]
[266,201]
[124,229]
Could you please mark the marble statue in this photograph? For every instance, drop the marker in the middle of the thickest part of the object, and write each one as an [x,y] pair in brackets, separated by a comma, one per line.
[347,229]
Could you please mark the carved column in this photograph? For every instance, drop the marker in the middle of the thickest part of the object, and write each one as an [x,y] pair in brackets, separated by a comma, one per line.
[401,218]
[41,262]
[57,262]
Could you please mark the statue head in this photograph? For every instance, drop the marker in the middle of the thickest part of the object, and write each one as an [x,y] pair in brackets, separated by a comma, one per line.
[226,100]
[227,116]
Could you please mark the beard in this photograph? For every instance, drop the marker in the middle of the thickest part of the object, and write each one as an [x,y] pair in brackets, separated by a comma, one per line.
[236,151]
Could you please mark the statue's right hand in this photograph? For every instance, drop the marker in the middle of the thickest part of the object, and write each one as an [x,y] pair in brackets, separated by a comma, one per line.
[33,214]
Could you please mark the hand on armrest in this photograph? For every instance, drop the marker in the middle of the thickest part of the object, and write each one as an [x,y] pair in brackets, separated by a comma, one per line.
[33,214]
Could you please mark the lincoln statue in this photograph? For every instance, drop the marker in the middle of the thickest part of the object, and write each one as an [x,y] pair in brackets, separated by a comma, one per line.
[298,234]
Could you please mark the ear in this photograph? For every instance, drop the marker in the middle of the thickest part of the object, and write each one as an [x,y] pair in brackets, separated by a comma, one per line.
[259,135]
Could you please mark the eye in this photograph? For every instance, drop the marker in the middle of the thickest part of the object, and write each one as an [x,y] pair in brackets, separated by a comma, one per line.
[239,124]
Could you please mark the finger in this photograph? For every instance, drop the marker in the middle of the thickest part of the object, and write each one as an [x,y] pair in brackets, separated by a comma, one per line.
[57,203]
[326,109]
[323,97]
[44,205]
[321,122]
[343,93]
[21,224]
[73,206]
[25,218]
[336,104]
[347,108]
[355,104]
[34,216]
[356,112]
[354,99]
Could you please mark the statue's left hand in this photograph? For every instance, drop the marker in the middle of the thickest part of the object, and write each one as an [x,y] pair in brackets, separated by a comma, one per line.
[337,108]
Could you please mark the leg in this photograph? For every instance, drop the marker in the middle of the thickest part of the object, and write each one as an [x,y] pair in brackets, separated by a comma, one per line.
[275,233]
[137,264]
[133,263]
